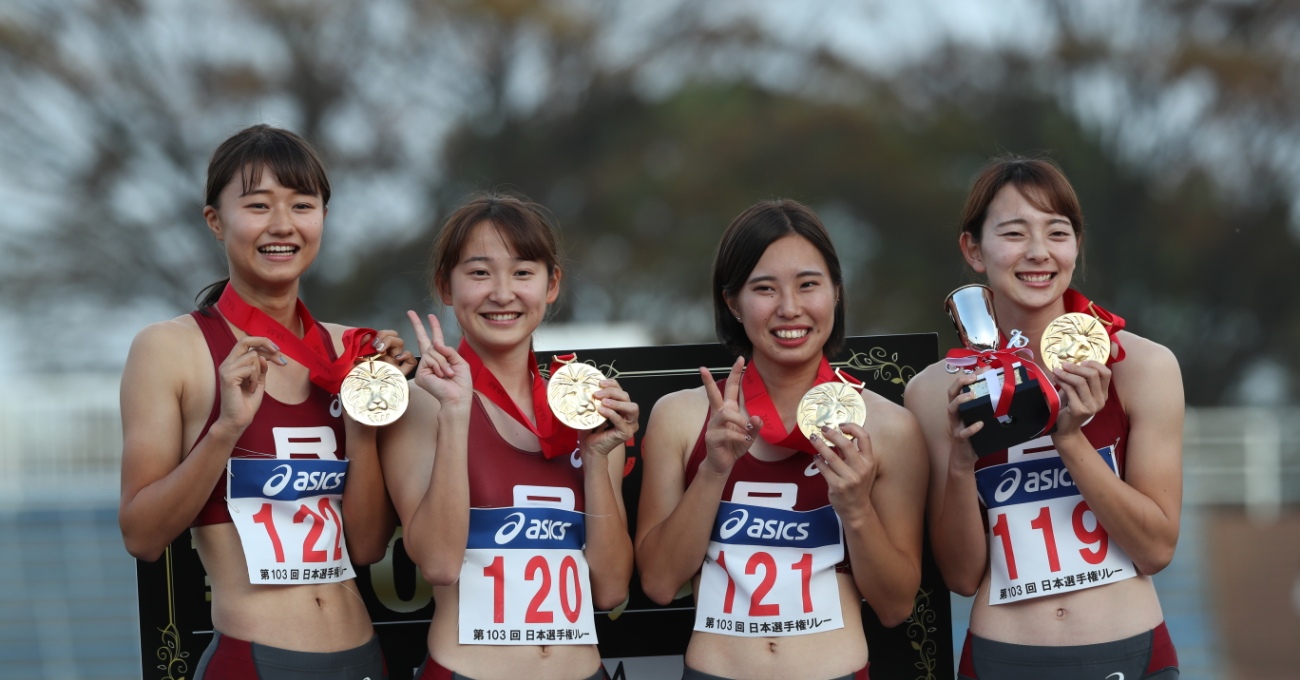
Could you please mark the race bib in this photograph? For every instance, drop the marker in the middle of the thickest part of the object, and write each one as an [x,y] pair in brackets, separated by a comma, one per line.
[771,571]
[289,518]
[1043,539]
[525,579]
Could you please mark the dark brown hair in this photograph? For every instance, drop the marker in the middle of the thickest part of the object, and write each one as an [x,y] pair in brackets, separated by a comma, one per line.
[1040,181]
[526,227]
[742,246]
[249,152]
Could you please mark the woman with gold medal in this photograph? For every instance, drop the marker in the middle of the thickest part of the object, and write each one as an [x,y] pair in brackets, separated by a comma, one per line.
[1056,538]
[781,527]
[513,512]
[232,427]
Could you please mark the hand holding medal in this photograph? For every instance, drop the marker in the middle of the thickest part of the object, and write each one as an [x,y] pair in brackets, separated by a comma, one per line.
[1074,338]
[569,393]
[832,404]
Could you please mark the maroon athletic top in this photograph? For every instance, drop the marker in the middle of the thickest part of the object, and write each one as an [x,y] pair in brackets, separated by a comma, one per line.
[496,467]
[319,410]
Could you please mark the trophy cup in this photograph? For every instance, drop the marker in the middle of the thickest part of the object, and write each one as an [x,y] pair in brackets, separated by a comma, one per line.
[1010,417]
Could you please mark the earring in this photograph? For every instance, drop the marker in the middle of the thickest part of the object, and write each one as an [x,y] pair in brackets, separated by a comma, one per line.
[737,318]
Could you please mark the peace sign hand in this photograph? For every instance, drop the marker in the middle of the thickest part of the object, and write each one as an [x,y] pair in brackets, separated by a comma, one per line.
[442,372]
[728,434]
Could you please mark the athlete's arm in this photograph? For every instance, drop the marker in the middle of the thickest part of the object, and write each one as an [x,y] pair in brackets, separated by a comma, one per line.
[955,519]
[163,490]
[438,531]
[877,485]
[609,548]
[675,521]
[1141,512]
[368,517]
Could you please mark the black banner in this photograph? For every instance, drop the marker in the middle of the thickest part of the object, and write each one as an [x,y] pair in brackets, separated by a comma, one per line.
[642,640]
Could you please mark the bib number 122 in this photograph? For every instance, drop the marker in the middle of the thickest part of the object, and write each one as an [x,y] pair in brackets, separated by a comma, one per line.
[326,513]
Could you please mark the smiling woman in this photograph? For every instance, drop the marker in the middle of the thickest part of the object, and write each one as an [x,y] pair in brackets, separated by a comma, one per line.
[222,406]
[1060,565]
[828,519]
[496,265]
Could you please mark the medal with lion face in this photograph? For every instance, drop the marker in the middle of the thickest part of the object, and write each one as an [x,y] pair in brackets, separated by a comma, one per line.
[569,395]
[374,393]
[1074,338]
[831,404]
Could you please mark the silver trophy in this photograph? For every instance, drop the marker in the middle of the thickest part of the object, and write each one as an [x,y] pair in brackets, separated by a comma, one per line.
[971,310]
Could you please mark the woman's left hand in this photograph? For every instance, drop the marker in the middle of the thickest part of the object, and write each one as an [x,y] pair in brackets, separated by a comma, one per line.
[622,420]
[1083,388]
[394,350]
[849,467]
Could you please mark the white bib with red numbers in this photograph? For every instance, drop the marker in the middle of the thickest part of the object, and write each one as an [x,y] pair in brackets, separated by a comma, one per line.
[525,579]
[1043,539]
[770,570]
[288,513]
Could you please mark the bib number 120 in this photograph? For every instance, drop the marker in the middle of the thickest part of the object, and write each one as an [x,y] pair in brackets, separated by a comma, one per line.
[538,569]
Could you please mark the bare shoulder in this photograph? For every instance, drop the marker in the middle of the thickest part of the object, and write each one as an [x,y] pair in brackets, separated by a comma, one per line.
[179,341]
[890,423]
[927,392]
[678,416]
[1145,357]
[1149,375]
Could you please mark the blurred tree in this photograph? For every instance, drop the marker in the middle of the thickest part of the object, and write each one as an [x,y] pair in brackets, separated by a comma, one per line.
[646,127]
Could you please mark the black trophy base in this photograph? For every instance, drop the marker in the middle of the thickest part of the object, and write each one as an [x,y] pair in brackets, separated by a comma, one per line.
[1029,414]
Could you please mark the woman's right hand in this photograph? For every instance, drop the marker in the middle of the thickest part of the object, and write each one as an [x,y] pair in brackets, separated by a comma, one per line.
[961,433]
[442,372]
[729,434]
[243,381]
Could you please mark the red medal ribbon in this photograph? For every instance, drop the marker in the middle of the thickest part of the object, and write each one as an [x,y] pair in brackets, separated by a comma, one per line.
[556,438]
[1076,302]
[759,403]
[309,350]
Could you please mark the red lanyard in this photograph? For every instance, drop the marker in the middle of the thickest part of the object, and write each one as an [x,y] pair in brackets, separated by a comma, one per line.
[309,350]
[1076,302]
[556,438]
[759,403]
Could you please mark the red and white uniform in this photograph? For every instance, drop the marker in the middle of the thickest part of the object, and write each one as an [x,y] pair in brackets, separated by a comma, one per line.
[773,552]
[1043,538]
[287,471]
[525,578]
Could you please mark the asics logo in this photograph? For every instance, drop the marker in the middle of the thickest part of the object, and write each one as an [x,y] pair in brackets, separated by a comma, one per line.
[514,524]
[336,408]
[811,470]
[733,524]
[1116,675]
[575,459]
[277,481]
[1010,482]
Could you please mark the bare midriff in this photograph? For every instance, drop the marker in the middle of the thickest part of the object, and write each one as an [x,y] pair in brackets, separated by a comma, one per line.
[327,617]
[1101,614]
[816,655]
[487,662]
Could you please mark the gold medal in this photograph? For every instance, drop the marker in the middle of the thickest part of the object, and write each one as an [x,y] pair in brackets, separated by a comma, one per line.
[1075,338]
[569,395]
[831,404]
[374,392]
